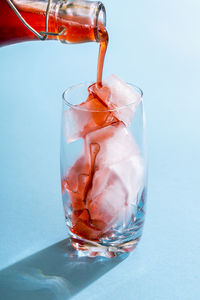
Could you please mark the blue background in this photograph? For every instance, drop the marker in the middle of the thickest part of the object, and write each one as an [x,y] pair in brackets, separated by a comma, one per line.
[156,45]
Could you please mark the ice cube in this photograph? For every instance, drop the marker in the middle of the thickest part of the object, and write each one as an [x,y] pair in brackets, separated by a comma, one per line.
[118,176]
[115,142]
[77,181]
[123,98]
[112,199]
[86,230]
[106,200]
[80,215]
[86,117]
[131,174]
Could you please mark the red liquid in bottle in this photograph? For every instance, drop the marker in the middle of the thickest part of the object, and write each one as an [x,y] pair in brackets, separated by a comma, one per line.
[77,29]
[12,30]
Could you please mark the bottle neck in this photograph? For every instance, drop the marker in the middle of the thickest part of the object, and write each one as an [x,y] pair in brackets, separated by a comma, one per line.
[69,21]
[81,19]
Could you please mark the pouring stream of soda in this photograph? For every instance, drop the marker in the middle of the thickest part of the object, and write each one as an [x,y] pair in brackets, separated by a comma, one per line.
[103,38]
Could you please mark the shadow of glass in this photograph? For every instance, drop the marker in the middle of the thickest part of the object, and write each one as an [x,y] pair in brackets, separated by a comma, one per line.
[53,273]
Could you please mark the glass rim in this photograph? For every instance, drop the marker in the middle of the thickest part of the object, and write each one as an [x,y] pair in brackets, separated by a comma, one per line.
[77,106]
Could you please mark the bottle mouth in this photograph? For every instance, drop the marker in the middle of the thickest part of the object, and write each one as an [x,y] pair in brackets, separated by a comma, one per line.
[101,14]
[100,19]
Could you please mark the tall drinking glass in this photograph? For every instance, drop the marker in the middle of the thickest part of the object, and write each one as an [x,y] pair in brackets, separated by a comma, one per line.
[103,173]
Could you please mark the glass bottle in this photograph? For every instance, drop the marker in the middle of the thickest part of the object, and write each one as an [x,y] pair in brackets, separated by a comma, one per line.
[75,21]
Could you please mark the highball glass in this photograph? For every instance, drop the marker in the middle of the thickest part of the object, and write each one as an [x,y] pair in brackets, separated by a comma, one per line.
[103,175]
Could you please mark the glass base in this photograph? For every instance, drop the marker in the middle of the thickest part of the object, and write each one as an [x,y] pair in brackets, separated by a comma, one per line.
[118,240]
[91,249]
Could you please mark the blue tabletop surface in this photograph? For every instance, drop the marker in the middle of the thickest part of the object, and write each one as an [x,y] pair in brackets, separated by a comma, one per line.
[155,45]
